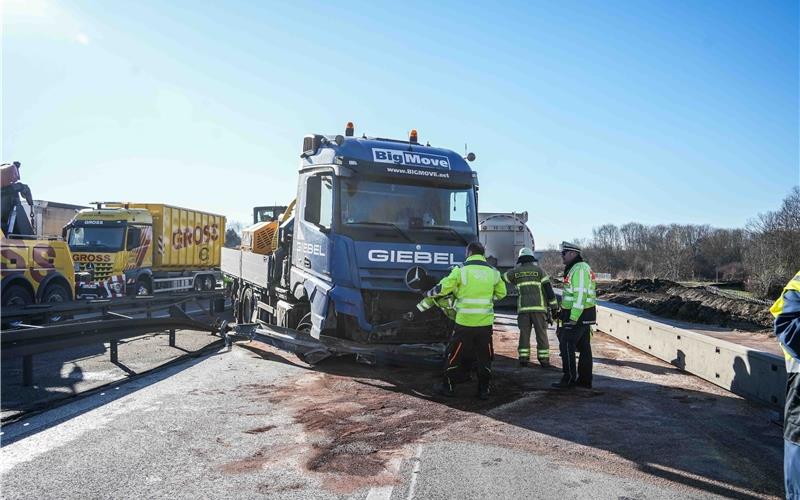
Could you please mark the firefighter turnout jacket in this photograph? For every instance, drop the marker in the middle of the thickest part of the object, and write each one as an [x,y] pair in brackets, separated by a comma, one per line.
[474,286]
[787,328]
[580,296]
[535,290]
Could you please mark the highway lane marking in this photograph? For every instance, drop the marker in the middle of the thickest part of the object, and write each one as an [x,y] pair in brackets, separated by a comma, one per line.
[385,492]
[415,473]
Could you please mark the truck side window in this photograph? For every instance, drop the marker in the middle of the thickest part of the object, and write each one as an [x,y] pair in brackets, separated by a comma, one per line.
[459,205]
[319,201]
[134,234]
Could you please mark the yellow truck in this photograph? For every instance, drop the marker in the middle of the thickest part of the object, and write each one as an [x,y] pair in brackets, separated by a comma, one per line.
[145,248]
[35,271]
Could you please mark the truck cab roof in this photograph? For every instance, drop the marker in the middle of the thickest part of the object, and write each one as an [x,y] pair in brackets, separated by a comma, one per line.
[387,157]
[139,215]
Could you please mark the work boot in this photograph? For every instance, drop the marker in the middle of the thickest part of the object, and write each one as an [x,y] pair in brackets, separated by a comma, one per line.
[565,383]
[524,362]
[585,385]
[443,389]
[545,362]
[483,393]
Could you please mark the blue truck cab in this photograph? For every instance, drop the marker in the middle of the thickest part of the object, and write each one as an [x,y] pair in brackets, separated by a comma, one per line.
[376,221]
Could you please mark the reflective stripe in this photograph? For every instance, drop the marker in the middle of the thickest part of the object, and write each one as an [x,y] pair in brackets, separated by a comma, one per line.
[463,275]
[792,365]
[422,307]
[529,283]
[531,308]
[579,300]
[476,311]
[475,301]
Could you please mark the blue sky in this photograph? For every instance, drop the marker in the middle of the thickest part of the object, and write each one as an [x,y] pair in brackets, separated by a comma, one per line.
[581,113]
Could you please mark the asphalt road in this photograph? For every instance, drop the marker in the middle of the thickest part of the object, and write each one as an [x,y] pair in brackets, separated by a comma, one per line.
[255,422]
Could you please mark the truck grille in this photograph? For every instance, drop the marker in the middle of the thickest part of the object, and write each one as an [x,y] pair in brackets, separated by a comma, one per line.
[102,270]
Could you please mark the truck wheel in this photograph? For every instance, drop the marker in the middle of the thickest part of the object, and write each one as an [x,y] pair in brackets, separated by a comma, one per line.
[56,293]
[247,306]
[305,324]
[17,295]
[142,288]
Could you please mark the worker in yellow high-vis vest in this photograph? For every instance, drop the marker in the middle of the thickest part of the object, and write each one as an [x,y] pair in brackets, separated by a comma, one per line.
[476,285]
[578,313]
[787,328]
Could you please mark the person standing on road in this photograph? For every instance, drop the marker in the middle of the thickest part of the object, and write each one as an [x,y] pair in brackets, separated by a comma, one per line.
[535,296]
[578,313]
[475,286]
[787,328]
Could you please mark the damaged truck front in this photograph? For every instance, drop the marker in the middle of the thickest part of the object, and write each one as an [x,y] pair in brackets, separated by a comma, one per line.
[374,222]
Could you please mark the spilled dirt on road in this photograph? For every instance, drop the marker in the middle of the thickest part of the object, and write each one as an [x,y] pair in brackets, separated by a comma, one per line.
[644,419]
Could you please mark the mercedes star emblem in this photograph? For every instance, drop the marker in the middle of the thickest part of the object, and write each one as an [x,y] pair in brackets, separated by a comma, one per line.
[414,277]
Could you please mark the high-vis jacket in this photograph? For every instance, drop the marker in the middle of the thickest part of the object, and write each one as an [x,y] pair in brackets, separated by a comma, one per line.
[447,304]
[580,296]
[475,286]
[787,328]
[535,291]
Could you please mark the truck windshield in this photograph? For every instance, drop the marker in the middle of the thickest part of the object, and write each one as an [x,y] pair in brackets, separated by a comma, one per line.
[96,238]
[422,214]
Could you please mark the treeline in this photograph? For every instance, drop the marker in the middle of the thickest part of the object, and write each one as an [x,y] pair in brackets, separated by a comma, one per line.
[764,255]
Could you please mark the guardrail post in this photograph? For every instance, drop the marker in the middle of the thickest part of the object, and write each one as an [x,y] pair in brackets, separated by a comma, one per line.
[114,352]
[27,370]
[172,338]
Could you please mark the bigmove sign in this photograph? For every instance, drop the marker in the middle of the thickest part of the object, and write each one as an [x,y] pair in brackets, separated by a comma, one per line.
[409,158]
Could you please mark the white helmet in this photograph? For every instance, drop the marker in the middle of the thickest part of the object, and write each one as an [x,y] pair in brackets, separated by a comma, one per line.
[525,251]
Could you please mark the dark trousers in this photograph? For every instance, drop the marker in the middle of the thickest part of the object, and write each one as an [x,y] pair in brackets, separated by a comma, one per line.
[538,322]
[791,469]
[570,341]
[467,344]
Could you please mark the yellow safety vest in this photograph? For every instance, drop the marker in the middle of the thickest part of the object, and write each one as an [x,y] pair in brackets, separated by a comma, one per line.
[792,365]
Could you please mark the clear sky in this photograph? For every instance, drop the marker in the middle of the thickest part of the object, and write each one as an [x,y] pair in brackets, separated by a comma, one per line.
[581,113]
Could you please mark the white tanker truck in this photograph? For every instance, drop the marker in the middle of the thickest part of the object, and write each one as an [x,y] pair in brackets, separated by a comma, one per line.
[503,234]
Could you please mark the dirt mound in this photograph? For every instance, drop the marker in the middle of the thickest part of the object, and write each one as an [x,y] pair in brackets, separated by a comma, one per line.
[706,305]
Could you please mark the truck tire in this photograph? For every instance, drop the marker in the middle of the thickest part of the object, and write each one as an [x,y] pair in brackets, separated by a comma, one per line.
[304,325]
[17,295]
[56,293]
[246,308]
[142,287]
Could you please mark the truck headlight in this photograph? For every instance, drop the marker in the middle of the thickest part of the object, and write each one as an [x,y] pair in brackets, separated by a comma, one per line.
[117,287]
[76,266]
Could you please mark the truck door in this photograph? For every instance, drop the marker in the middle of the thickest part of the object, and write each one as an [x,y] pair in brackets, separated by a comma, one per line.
[314,223]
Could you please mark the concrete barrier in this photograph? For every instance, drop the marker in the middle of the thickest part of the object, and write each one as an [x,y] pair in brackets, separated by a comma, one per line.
[752,374]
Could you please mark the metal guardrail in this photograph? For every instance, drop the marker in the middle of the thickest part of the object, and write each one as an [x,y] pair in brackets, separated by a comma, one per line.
[103,321]
[132,305]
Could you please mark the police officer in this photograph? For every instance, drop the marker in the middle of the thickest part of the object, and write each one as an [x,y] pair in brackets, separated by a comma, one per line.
[787,328]
[578,313]
[535,297]
[474,286]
